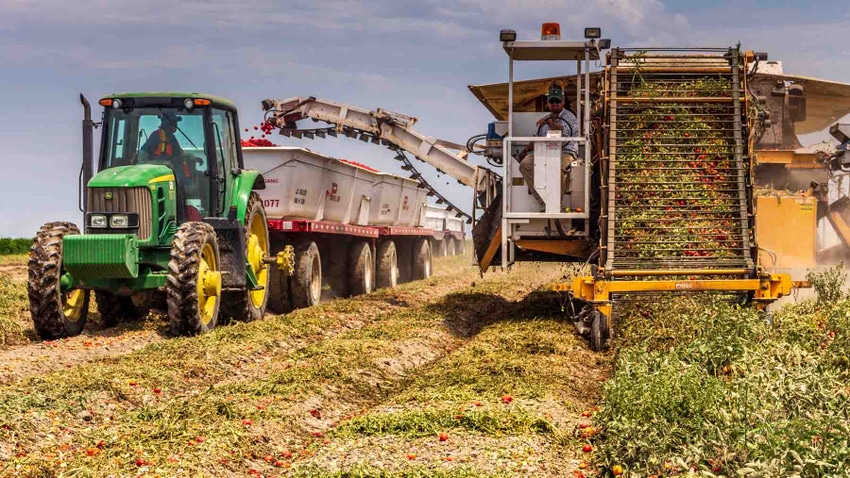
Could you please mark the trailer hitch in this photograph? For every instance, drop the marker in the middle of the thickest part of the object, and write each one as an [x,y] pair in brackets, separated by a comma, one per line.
[284,260]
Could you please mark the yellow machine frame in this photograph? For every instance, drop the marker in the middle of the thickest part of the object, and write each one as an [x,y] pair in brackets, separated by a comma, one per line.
[767,289]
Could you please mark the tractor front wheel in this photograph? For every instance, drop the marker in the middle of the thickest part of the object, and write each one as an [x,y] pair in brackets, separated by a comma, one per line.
[55,313]
[193,283]
[250,304]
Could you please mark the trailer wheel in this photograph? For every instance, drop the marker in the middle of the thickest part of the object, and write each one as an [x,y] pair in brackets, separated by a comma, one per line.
[598,331]
[361,273]
[451,250]
[113,308]
[404,251]
[421,259]
[307,283]
[54,314]
[280,296]
[249,304]
[387,265]
[193,283]
[438,248]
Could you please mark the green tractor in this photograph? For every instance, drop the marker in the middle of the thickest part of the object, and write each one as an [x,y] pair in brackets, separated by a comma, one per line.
[172,221]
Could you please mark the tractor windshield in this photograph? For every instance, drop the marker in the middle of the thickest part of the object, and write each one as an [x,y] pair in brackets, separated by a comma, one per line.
[154,135]
[169,136]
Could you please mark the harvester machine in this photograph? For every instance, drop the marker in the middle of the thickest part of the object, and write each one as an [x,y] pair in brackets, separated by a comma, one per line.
[660,196]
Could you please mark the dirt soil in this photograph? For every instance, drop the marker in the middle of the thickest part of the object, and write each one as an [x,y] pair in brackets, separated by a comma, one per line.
[15,271]
[362,387]
[25,354]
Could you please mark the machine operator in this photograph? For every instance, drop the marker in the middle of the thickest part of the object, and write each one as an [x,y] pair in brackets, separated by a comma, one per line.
[560,117]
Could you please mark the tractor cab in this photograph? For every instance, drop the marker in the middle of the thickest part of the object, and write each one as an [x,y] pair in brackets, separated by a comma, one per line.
[195,137]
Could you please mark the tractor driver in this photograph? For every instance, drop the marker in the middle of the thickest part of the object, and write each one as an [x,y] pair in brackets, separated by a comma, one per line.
[162,144]
[162,147]
[559,117]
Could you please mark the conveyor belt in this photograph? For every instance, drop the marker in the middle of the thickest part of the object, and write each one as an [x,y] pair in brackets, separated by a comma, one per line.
[678,169]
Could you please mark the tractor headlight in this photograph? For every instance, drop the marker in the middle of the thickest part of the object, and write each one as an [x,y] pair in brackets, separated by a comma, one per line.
[188,103]
[97,220]
[119,221]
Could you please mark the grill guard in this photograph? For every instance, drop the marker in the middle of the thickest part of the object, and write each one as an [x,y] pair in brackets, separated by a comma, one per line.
[125,200]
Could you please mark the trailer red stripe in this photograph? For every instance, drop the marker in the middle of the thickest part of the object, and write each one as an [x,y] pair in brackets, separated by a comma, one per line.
[300,225]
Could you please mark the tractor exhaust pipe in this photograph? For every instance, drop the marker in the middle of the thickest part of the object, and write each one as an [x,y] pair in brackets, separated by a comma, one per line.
[88,141]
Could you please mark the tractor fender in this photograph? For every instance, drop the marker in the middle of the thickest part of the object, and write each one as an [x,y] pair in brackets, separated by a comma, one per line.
[247,181]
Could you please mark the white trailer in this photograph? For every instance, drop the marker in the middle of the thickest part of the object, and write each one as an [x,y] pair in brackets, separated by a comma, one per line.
[342,228]
[449,237]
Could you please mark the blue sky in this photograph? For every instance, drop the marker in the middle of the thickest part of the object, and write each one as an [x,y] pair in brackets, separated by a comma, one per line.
[415,58]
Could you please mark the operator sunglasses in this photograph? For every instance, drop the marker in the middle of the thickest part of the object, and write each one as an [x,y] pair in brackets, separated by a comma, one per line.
[553,101]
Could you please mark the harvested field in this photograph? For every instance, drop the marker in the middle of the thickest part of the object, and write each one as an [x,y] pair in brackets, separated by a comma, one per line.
[455,376]
[362,386]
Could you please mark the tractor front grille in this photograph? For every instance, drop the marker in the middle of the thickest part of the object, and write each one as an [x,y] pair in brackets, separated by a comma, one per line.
[128,200]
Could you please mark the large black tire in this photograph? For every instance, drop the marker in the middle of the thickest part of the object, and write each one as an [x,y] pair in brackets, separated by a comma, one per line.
[451,249]
[439,248]
[421,267]
[115,308]
[280,295]
[184,314]
[404,250]
[388,272]
[335,270]
[307,283]
[244,305]
[49,307]
[361,268]
[598,332]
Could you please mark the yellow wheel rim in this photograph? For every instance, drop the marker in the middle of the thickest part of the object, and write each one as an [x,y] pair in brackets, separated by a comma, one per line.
[258,249]
[209,284]
[72,304]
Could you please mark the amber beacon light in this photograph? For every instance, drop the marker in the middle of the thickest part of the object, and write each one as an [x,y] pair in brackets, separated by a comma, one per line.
[550,31]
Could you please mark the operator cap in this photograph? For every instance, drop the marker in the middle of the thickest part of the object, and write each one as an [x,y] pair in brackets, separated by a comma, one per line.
[170,116]
[555,93]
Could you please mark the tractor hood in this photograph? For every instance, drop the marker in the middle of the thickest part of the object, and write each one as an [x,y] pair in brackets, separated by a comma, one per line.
[128,176]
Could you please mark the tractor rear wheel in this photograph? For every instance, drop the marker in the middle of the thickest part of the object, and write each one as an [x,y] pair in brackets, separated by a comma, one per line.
[55,314]
[113,308]
[421,259]
[360,268]
[307,283]
[387,265]
[194,280]
[249,304]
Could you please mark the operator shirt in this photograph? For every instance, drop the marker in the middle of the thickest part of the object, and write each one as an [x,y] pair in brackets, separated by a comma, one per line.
[569,127]
[154,142]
